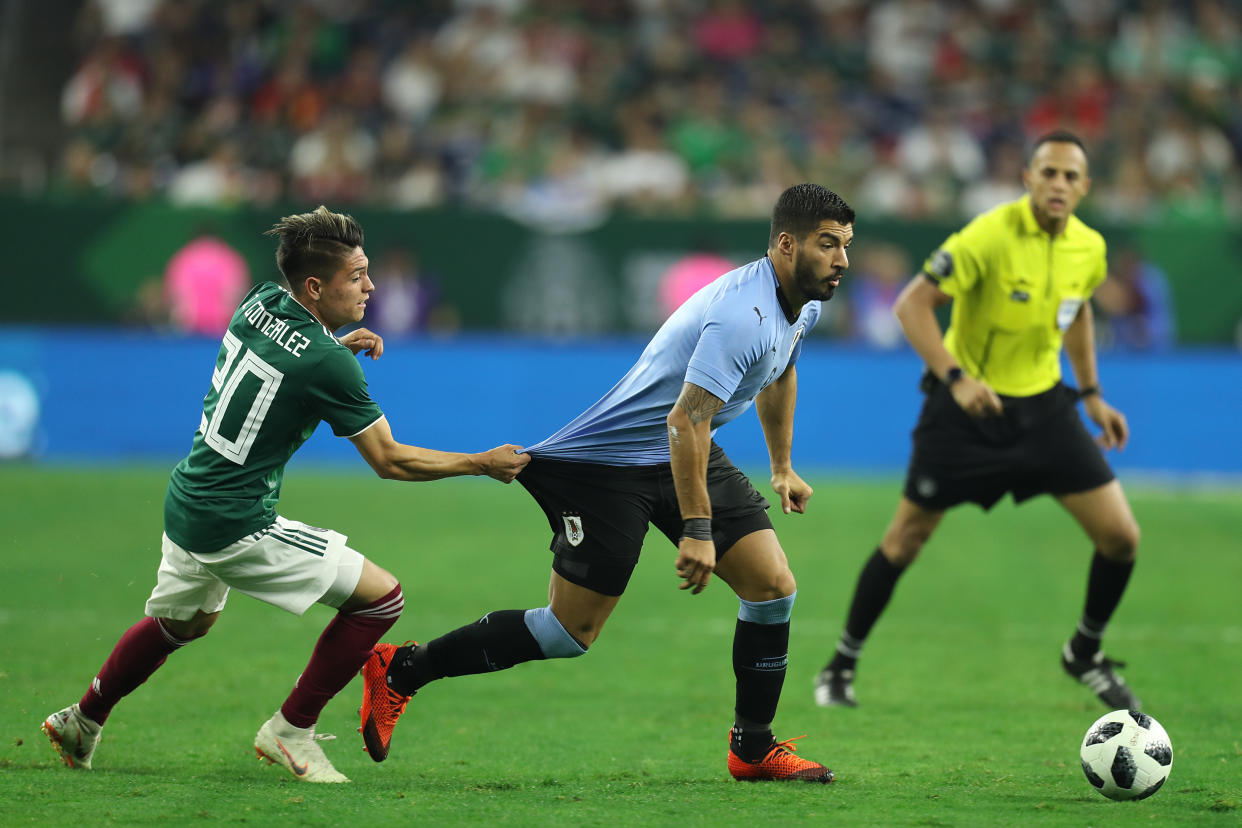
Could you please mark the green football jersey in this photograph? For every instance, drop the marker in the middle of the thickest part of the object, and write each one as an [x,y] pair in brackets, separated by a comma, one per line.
[279,372]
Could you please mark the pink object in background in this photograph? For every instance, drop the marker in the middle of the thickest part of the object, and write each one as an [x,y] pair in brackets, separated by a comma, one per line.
[203,283]
[687,275]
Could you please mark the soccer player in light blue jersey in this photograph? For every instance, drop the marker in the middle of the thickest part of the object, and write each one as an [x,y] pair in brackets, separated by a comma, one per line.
[645,454]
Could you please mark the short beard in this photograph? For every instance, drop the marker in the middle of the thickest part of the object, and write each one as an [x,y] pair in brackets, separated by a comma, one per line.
[808,284]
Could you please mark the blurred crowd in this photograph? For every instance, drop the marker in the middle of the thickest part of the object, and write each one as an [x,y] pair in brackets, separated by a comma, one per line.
[559,111]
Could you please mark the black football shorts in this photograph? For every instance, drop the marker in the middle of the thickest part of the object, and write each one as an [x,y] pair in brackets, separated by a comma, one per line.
[599,514]
[1038,445]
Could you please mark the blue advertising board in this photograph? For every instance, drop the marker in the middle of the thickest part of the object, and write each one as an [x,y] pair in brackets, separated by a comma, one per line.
[116,396]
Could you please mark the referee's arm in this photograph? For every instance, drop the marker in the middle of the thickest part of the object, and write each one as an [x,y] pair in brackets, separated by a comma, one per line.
[1080,348]
[915,309]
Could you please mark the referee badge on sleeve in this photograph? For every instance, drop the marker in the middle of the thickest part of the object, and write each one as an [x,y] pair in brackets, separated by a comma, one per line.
[1067,312]
[573,529]
[940,265]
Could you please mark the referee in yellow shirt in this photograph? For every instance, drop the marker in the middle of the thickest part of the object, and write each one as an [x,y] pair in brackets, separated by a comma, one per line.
[997,418]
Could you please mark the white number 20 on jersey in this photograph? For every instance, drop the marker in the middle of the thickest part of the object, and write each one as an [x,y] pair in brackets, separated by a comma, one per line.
[225,380]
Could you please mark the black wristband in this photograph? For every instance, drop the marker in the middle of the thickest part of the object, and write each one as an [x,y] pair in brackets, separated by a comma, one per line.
[697,529]
[953,375]
[1088,391]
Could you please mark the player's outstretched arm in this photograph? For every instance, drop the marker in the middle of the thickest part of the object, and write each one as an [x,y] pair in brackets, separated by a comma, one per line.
[1080,348]
[398,461]
[364,340]
[775,408]
[689,444]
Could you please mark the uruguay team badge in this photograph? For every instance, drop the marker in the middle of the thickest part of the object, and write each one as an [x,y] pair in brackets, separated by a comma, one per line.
[573,529]
[794,342]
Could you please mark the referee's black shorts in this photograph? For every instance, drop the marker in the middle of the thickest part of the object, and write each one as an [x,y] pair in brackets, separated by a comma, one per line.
[1038,445]
[599,514]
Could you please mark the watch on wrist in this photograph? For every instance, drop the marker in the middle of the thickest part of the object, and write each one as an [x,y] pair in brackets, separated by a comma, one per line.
[953,375]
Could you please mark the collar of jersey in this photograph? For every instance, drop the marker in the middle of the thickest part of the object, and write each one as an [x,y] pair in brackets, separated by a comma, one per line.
[790,318]
[1031,227]
[289,294]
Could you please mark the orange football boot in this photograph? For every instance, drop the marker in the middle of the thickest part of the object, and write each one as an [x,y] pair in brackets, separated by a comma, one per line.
[381,705]
[780,764]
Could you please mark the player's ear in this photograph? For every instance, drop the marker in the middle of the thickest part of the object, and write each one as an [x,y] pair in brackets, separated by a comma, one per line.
[313,286]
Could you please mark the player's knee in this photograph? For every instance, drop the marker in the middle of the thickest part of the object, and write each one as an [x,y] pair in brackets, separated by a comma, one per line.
[377,594]
[382,580]
[183,632]
[1121,542]
[386,609]
[554,640]
[777,586]
[901,545]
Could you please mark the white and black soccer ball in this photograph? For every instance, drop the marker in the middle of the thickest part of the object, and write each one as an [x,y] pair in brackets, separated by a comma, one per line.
[1126,755]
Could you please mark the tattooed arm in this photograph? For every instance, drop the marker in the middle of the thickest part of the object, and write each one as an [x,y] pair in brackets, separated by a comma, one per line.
[689,442]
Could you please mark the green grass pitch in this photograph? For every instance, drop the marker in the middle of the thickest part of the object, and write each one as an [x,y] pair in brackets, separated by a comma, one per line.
[965,717]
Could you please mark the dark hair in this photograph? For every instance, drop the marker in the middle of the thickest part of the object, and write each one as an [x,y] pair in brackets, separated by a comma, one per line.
[802,208]
[1057,136]
[314,244]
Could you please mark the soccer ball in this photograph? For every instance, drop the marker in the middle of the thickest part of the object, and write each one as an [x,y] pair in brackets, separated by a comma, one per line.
[1126,755]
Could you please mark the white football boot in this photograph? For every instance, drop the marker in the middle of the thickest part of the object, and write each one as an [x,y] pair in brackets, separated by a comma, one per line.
[835,688]
[296,750]
[74,736]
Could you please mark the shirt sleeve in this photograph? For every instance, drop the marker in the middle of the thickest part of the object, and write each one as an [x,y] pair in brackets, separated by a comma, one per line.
[958,264]
[337,394]
[1100,272]
[727,347]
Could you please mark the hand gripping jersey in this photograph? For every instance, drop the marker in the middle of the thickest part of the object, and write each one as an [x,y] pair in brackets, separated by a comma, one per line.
[279,372]
[731,338]
[1015,290]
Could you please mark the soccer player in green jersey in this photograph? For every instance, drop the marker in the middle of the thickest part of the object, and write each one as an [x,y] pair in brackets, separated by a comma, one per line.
[280,370]
[997,417]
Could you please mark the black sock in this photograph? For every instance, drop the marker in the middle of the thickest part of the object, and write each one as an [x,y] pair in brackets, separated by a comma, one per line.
[871,596]
[497,641]
[760,657]
[749,742]
[1105,585]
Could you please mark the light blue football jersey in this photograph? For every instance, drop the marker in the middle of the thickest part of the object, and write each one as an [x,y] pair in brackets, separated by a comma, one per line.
[731,338]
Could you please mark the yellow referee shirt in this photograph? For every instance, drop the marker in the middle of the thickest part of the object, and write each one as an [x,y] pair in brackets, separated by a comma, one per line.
[1015,291]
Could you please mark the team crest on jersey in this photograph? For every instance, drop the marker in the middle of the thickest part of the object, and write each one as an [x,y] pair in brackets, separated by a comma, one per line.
[573,529]
[794,342]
